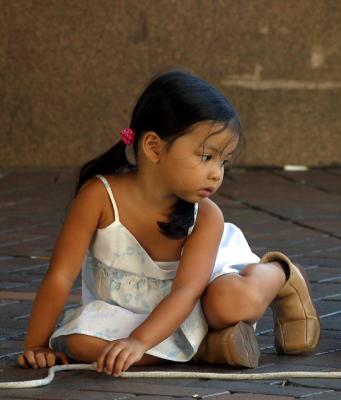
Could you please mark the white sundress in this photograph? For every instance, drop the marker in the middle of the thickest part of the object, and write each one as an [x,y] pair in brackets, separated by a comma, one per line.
[121,285]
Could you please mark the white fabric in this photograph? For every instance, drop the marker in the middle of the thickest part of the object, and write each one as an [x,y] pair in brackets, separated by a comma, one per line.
[121,285]
[234,252]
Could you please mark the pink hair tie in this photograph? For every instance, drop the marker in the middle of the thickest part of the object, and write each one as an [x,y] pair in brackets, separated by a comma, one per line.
[127,136]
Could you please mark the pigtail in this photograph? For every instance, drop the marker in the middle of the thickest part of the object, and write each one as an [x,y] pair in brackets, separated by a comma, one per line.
[110,162]
[180,220]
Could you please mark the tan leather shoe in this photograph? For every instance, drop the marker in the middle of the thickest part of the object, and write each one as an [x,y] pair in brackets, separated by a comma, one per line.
[297,326]
[236,346]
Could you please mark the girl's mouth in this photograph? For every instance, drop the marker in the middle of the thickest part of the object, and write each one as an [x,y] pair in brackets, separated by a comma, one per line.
[205,192]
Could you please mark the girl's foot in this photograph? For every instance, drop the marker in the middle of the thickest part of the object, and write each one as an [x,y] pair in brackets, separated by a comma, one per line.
[237,346]
[297,326]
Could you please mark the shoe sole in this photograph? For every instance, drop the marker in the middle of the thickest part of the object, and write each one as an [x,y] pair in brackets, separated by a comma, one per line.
[241,347]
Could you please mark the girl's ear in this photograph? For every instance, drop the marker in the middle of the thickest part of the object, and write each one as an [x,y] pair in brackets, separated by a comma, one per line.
[152,146]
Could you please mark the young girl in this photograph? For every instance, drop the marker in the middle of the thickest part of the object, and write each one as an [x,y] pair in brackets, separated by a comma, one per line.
[161,272]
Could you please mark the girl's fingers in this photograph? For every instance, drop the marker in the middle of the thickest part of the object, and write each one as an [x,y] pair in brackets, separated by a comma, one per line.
[30,358]
[110,359]
[120,361]
[41,360]
[22,361]
[50,359]
[129,361]
[102,357]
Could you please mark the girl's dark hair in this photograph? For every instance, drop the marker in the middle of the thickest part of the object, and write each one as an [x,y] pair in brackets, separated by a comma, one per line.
[169,105]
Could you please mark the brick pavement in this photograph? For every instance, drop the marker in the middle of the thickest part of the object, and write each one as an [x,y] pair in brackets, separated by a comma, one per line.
[298,213]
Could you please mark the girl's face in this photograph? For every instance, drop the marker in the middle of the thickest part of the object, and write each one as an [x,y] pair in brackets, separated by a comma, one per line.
[193,166]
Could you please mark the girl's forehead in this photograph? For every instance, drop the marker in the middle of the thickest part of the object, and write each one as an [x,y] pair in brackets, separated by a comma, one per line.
[213,134]
[206,136]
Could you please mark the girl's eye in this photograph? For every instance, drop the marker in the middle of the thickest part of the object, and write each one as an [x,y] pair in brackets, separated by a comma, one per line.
[206,157]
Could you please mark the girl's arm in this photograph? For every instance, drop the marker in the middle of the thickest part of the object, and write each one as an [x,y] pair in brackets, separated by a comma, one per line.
[196,265]
[66,262]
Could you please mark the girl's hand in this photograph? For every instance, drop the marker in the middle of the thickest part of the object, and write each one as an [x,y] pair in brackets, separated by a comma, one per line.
[119,355]
[40,357]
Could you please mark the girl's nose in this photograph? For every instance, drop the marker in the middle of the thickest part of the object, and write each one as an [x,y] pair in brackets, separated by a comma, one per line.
[216,173]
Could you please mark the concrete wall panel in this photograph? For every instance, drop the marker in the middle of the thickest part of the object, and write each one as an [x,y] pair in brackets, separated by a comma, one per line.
[70,72]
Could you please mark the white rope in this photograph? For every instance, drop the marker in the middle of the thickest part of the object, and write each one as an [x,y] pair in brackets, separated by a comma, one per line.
[174,375]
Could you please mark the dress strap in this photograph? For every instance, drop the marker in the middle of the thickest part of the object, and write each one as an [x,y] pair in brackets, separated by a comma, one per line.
[113,202]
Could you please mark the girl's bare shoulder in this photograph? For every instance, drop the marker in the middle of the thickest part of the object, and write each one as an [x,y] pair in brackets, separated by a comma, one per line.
[89,194]
[92,196]
[209,211]
[95,196]
[94,188]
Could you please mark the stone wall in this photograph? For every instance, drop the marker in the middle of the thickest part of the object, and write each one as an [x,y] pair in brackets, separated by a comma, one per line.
[71,70]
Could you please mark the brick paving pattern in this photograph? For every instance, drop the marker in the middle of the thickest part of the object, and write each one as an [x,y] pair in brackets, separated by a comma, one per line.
[298,213]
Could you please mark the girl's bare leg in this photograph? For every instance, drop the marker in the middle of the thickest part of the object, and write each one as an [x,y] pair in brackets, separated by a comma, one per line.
[85,348]
[232,298]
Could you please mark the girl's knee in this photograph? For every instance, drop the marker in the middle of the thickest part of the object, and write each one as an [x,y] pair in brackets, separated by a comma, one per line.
[230,299]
